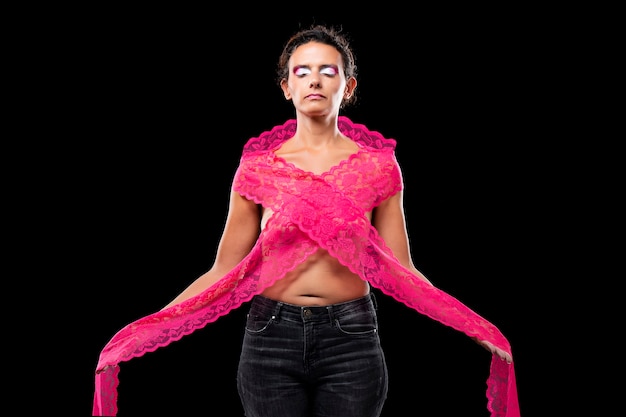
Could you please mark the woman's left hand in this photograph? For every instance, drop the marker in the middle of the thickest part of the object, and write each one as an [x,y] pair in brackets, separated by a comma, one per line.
[505,356]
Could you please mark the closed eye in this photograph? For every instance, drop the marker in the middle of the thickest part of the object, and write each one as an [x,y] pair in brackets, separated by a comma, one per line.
[301,71]
[332,71]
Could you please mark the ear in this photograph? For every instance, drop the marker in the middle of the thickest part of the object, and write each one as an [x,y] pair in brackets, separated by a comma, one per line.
[285,87]
[350,87]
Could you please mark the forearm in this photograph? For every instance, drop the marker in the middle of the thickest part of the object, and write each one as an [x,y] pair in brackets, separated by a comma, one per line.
[203,282]
[421,276]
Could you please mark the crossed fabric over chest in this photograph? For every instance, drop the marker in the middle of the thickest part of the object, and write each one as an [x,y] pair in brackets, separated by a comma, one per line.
[310,211]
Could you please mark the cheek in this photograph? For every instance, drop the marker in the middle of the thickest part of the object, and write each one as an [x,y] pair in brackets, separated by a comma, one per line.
[296,84]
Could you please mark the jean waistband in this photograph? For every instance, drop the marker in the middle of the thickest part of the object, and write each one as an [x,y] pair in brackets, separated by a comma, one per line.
[263,306]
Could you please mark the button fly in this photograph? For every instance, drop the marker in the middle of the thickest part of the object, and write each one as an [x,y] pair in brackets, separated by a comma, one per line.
[307,312]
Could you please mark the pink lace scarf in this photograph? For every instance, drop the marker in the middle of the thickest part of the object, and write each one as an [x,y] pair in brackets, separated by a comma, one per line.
[310,212]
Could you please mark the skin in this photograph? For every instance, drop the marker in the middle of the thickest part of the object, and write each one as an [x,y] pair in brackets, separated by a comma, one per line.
[316,93]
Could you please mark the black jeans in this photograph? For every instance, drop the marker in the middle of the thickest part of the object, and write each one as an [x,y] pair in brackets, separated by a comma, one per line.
[312,361]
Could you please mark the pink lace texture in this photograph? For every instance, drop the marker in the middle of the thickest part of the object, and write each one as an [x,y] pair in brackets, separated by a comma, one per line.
[310,212]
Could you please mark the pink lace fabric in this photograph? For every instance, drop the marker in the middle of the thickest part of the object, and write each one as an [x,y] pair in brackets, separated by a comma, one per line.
[311,211]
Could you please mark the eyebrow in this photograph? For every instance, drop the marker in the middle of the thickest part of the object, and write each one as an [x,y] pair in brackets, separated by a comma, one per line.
[321,66]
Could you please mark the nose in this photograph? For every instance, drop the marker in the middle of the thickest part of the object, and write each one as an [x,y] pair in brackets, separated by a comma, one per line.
[315,83]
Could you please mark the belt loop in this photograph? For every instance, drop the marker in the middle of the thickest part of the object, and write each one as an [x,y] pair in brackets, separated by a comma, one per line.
[374,302]
[277,308]
[331,314]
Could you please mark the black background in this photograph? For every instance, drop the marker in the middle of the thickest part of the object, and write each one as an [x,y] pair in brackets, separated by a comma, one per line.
[157,104]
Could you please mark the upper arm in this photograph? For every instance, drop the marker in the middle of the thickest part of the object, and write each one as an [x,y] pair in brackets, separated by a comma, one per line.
[389,220]
[241,231]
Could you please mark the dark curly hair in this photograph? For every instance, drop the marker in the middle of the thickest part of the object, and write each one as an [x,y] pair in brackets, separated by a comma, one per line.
[322,34]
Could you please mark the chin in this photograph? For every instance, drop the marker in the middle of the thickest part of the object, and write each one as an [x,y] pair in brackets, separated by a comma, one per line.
[321,113]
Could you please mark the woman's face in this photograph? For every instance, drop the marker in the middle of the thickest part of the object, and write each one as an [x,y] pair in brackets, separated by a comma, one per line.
[316,82]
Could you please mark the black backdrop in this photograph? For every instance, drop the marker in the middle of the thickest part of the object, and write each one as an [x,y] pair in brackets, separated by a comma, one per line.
[162,103]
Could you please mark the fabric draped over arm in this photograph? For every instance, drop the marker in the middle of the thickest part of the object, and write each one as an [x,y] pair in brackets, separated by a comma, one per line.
[311,211]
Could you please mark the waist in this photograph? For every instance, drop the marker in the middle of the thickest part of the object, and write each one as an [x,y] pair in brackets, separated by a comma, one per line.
[322,279]
[263,306]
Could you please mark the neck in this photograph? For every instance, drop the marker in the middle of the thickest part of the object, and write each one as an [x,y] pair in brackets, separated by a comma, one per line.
[317,131]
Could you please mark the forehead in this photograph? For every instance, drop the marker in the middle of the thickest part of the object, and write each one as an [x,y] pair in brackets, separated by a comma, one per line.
[315,53]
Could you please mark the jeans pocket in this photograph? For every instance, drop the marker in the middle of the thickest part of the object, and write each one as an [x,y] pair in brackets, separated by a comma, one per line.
[357,324]
[257,324]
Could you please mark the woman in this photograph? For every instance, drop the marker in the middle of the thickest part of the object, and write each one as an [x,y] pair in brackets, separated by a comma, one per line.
[315,218]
